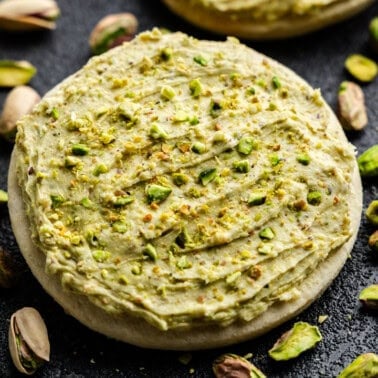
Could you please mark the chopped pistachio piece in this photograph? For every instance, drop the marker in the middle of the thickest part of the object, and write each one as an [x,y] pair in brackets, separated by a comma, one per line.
[304,159]
[301,337]
[266,233]
[215,108]
[232,365]
[251,91]
[100,255]
[80,149]
[373,241]
[183,263]
[373,31]
[369,297]
[56,200]
[123,200]
[314,197]
[241,166]
[3,196]
[199,148]
[256,199]
[180,116]
[156,132]
[167,92]
[157,193]
[87,203]
[166,54]
[13,73]
[195,87]
[183,238]
[150,251]
[200,60]
[275,160]
[246,145]
[100,169]
[368,162]
[276,82]
[364,366]
[361,67]
[207,176]
[180,178]
[120,227]
[372,213]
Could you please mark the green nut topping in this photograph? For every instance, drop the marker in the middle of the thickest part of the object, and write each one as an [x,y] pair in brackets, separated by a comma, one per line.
[215,108]
[246,145]
[56,200]
[100,255]
[157,193]
[123,200]
[80,149]
[183,263]
[3,196]
[256,199]
[361,67]
[303,159]
[369,297]
[372,213]
[373,241]
[183,239]
[241,166]
[314,197]
[232,365]
[364,366]
[166,54]
[275,160]
[301,337]
[276,82]
[368,162]
[100,169]
[207,176]
[150,252]
[199,148]
[266,233]
[167,92]
[180,178]
[87,203]
[120,227]
[156,132]
[195,87]
[200,60]
[13,73]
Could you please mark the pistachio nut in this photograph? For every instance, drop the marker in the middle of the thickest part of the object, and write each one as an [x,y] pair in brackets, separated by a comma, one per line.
[3,196]
[9,273]
[372,213]
[365,365]
[28,340]
[352,110]
[19,102]
[368,162]
[21,15]
[112,31]
[373,31]
[13,72]
[232,365]
[373,241]
[369,297]
[361,67]
[291,344]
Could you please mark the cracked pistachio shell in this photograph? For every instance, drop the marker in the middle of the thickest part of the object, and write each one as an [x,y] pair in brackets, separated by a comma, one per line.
[112,31]
[29,344]
[369,297]
[364,366]
[13,73]
[232,365]
[19,102]
[368,162]
[301,337]
[361,67]
[21,15]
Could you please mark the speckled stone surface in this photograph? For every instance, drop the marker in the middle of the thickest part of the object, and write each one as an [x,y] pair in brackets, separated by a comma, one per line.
[79,352]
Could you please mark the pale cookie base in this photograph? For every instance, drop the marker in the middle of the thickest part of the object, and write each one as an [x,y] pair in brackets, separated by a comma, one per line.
[137,331]
[222,23]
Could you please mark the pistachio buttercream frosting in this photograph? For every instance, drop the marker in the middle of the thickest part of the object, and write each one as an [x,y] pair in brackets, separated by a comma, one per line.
[185,182]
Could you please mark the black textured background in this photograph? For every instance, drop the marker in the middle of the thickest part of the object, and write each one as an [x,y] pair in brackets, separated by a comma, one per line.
[79,352]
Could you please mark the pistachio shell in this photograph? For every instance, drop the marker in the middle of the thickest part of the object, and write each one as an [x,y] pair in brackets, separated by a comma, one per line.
[232,365]
[19,102]
[112,31]
[364,366]
[28,338]
[361,67]
[301,337]
[369,297]
[13,73]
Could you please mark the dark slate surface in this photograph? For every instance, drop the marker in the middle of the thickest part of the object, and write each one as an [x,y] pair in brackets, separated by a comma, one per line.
[79,352]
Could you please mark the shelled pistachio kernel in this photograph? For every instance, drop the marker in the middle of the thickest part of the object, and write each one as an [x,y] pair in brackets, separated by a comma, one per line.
[111,31]
[361,67]
[373,241]
[301,337]
[364,366]
[29,344]
[368,162]
[369,297]
[13,72]
[372,213]
[232,365]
